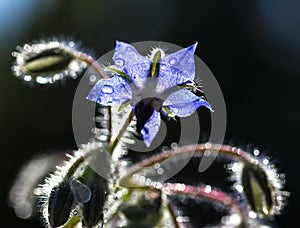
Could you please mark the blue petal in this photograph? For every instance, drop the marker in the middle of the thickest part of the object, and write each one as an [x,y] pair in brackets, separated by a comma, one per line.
[131,62]
[183,103]
[170,77]
[110,92]
[179,67]
[151,128]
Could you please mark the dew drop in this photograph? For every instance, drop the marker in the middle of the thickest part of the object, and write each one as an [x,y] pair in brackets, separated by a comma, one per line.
[265,161]
[75,213]
[106,116]
[164,148]
[238,187]
[282,176]
[173,61]
[119,62]
[235,167]
[107,89]
[183,219]
[92,78]
[27,78]
[252,214]
[142,179]
[174,145]
[129,48]
[207,153]
[207,189]
[51,80]
[71,43]
[157,165]
[163,66]
[160,171]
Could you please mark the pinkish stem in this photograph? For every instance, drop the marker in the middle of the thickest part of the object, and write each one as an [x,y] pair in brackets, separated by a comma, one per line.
[91,62]
[207,193]
[199,149]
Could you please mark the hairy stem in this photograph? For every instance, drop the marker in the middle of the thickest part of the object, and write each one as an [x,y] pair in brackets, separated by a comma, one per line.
[114,144]
[78,162]
[207,193]
[91,62]
[199,149]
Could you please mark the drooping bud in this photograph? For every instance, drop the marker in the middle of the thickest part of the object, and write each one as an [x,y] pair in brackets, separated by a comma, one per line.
[60,204]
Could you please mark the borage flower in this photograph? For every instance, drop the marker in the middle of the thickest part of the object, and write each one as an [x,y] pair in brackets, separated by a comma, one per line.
[150,85]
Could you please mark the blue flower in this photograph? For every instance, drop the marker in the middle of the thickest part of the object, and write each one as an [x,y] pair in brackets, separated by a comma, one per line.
[150,85]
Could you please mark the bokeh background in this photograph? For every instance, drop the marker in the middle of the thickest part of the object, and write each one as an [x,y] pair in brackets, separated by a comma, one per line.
[252,48]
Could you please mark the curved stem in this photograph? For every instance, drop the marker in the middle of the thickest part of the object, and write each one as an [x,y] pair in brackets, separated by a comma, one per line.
[208,193]
[91,62]
[78,161]
[199,149]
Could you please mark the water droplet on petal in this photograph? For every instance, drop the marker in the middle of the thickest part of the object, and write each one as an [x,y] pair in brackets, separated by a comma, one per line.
[119,62]
[163,66]
[181,78]
[173,61]
[107,89]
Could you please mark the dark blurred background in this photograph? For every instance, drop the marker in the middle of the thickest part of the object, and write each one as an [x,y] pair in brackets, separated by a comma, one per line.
[252,48]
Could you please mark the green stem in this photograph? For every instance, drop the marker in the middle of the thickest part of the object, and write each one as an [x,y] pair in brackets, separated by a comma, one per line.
[114,144]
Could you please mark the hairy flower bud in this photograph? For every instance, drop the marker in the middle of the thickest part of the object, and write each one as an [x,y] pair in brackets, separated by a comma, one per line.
[45,62]
[61,201]
[257,190]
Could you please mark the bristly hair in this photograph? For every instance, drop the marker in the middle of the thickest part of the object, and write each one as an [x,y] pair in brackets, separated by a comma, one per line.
[46,61]
[275,183]
[63,173]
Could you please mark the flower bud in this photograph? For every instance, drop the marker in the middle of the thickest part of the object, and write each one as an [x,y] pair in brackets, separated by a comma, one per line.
[60,204]
[257,190]
[45,62]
